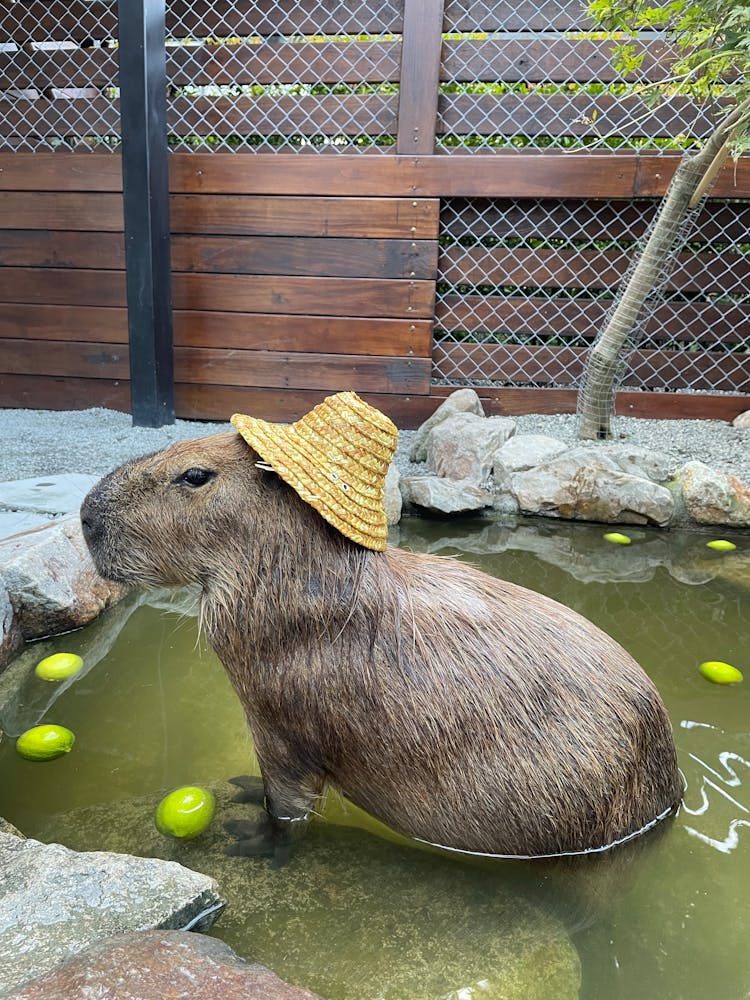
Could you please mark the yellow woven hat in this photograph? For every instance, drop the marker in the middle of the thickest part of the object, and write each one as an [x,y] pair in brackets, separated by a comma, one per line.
[336,457]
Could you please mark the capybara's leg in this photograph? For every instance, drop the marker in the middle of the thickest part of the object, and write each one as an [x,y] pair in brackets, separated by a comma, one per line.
[288,794]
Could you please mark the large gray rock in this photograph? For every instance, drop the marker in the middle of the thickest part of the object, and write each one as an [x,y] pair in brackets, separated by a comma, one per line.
[11,638]
[52,581]
[392,496]
[633,459]
[159,965]
[359,916]
[524,451]
[462,447]
[55,902]
[583,489]
[444,496]
[460,401]
[712,497]
[742,420]
[62,494]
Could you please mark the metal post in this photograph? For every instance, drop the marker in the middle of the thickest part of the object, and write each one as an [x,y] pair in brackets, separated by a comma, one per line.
[143,113]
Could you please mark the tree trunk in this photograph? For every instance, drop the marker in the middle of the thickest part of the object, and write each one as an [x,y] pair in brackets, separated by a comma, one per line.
[597,393]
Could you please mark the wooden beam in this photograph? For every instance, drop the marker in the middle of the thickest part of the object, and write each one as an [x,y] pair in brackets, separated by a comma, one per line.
[420,76]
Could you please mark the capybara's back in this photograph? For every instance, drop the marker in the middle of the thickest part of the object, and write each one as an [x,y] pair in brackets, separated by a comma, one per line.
[459,709]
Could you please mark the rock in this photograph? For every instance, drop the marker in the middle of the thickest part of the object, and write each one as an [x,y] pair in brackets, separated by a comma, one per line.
[392,496]
[713,497]
[524,451]
[52,581]
[444,496]
[742,420]
[8,828]
[13,522]
[159,965]
[504,503]
[630,458]
[55,902]
[357,915]
[580,488]
[11,639]
[61,494]
[460,401]
[462,446]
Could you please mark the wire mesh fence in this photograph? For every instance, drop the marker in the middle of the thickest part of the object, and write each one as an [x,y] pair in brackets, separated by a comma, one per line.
[58,75]
[283,76]
[524,287]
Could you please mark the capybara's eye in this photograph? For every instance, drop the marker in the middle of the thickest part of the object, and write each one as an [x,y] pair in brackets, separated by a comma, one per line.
[196,477]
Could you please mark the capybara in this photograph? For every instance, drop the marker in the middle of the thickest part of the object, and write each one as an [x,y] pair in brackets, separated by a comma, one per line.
[457,708]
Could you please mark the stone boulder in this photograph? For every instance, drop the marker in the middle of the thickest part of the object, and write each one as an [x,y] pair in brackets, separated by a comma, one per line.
[460,401]
[392,496]
[712,497]
[462,447]
[55,902]
[742,421]
[630,458]
[524,451]
[11,638]
[159,965]
[581,487]
[52,582]
[444,496]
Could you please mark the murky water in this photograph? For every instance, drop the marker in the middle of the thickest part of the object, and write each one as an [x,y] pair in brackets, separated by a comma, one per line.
[359,913]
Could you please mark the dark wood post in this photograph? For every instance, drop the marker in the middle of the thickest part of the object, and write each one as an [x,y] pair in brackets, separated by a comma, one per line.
[420,76]
[143,112]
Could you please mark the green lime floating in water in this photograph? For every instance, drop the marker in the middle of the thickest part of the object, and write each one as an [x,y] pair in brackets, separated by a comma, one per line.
[617,538]
[45,742]
[185,813]
[58,667]
[720,673]
[721,545]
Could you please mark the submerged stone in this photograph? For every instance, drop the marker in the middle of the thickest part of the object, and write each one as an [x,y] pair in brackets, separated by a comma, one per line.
[55,902]
[159,965]
[356,915]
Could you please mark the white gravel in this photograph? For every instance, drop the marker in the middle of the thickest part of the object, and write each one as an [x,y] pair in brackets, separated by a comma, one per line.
[46,442]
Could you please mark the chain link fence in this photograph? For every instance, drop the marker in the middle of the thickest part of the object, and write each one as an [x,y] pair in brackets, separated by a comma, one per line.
[58,75]
[282,76]
[524,286]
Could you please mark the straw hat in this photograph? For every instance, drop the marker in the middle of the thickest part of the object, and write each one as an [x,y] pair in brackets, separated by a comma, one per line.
[336,457]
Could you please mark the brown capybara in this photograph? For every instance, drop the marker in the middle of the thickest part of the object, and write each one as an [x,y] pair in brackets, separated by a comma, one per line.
[458,709]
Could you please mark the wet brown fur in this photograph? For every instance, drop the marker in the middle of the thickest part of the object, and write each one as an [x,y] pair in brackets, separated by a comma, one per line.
[455,707]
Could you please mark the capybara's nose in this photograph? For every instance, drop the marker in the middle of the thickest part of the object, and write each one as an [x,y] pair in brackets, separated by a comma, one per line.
[91,522]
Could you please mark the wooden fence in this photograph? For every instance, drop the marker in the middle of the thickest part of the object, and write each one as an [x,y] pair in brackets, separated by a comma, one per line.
[430,253]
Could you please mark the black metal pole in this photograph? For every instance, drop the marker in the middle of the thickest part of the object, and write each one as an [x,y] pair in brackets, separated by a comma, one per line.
[143,115]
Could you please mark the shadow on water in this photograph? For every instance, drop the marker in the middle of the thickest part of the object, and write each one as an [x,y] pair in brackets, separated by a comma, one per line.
[361,913]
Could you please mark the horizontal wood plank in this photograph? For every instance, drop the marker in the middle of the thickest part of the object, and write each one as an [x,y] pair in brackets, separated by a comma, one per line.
[548,58]
[224,367]
[385,298]
[499,175]
[647,405]
[258,331]
[712,371]
[230,255]
[702,273]
[215,402]
[564,317]
[378,218]
[526,15]
[574,114]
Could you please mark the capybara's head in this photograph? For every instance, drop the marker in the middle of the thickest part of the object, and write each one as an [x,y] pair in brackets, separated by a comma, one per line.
[165,518]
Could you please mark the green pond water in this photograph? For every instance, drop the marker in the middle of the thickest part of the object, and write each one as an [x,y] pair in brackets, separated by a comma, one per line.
[360,913]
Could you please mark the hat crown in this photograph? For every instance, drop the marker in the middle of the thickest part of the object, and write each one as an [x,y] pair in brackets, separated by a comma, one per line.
[336,457]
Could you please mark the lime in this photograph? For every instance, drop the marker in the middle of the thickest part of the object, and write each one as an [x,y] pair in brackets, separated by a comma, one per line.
[45,742]
[721,545]
[720,673]
[58,666]
[617,538]
[185,813]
